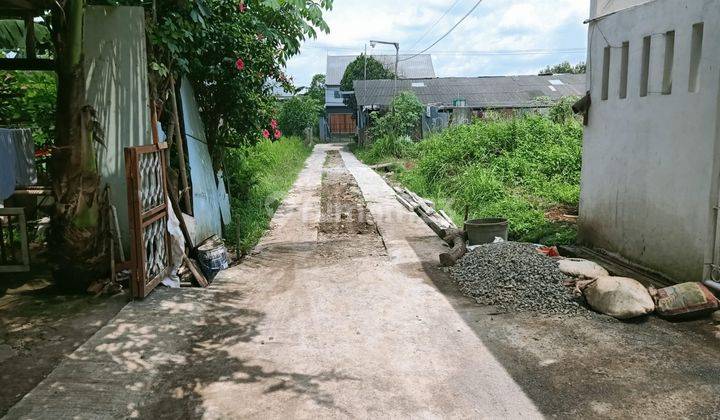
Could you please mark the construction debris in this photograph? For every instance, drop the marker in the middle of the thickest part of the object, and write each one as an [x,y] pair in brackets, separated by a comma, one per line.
[457,239]
[515,277]
[619,297]
[684,300]
[583,269]
[438,221]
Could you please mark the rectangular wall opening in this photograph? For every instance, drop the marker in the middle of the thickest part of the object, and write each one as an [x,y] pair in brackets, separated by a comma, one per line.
[669,60]
[624,61]
[696,56]
[645,69]
[606,74]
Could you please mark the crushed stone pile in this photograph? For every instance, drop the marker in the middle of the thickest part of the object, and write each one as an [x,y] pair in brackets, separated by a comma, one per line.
[515,278]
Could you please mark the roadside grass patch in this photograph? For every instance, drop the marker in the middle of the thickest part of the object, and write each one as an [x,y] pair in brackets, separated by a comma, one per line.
[519,168]
[260,177]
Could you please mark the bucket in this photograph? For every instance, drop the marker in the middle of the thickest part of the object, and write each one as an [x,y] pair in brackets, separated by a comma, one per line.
[484,231]
[213,258]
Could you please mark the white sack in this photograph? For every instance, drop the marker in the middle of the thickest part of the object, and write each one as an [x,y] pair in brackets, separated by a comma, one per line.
[618,297]
[584,269]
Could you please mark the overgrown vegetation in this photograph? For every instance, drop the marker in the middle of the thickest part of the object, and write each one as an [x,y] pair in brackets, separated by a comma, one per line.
[401,120]
[259,176]
[526,169]
[27,99]
[298,114]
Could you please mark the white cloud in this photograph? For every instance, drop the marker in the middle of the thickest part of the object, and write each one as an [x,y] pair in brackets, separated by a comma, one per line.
[496,25]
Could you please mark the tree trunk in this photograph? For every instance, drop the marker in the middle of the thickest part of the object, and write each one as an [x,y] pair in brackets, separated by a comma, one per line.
[76,241]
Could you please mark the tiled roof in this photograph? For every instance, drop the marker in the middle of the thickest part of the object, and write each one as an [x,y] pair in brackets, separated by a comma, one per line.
[478,92]
[416,67]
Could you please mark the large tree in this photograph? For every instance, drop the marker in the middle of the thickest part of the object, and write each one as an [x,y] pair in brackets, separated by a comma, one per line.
[364,67]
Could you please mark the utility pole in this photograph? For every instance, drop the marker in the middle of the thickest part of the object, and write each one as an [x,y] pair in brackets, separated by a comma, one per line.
[397,59]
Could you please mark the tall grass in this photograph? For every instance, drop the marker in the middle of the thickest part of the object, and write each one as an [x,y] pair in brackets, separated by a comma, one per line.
[518,168]
[260,176]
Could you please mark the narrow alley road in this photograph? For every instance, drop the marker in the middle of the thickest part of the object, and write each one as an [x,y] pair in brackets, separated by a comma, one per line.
[342,313]
[334,317]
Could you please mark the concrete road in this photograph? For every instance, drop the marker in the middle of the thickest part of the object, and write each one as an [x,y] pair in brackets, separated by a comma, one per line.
[343,313]
[311,326]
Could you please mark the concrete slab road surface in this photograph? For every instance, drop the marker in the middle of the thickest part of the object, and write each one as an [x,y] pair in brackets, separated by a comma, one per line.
[342,313]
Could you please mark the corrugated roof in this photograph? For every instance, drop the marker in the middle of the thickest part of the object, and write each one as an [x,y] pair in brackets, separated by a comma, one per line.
[414,68]
[478,92]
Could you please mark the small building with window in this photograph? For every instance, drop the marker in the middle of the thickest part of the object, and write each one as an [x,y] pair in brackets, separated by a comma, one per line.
[651,154]
[340,120]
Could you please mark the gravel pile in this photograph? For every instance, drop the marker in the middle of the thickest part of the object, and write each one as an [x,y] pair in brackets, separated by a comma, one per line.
[516,278]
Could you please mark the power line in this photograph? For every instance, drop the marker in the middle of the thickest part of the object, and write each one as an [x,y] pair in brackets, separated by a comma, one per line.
[434,24]
[446,34]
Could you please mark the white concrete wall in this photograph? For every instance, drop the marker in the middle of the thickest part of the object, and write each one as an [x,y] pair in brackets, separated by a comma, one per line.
[604,7]
[115,64]
[650,166]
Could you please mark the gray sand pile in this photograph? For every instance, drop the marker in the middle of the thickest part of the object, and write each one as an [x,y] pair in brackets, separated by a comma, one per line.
[515,277]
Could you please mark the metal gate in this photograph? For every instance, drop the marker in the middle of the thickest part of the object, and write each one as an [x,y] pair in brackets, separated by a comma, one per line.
[145,170]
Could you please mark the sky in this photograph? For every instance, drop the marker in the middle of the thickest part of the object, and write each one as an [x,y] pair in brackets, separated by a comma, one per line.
[501,37]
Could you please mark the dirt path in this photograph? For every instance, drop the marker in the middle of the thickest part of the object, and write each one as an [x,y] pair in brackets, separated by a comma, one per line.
[342,312]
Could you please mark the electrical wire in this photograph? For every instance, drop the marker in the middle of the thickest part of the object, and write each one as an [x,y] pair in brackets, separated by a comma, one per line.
[447,33]
[434,24]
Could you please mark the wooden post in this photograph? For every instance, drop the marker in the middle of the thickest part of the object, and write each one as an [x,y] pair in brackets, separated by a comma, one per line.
[181,150]
[30,37]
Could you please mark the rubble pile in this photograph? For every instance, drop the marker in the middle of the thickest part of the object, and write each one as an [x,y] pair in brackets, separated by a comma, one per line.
[515,277]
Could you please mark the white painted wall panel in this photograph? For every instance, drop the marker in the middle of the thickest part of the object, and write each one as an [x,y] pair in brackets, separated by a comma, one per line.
[650,164]
[117,88]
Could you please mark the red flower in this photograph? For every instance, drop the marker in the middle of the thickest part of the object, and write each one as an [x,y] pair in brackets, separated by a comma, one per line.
[43,152]
[278,134]
[266,134]
[242,7]
[273,124]
[240,64]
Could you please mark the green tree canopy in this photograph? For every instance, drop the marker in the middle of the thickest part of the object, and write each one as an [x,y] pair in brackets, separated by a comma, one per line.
[317,88]
[357,70]
[299,113]
[402,119]
[565,68]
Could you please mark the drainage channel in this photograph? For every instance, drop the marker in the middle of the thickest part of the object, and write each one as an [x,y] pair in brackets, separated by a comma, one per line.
[346,228]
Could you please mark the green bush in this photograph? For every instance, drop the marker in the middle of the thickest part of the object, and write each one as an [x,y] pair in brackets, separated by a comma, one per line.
[518,168]
[298,114]
[387,149]
[27,99]
[259,177]
[402,119]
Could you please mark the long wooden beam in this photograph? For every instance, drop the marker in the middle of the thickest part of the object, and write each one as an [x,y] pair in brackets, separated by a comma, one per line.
[27,64]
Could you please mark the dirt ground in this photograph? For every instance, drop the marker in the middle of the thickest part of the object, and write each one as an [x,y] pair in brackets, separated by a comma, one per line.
[40,326]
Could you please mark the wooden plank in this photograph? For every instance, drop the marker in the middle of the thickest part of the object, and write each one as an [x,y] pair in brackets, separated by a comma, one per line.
[30,37]
[181,150]
[197,274]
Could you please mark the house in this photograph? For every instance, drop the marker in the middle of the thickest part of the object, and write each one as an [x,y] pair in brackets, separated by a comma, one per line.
[339,119]
[506,94]
[651,155]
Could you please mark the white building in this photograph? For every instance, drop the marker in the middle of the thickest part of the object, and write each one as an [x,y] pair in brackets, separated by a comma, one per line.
[651,158]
